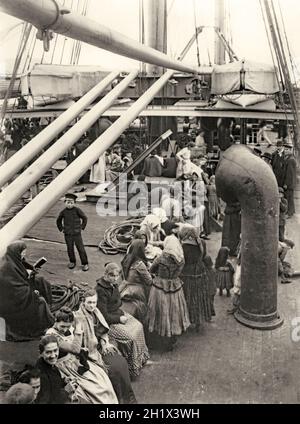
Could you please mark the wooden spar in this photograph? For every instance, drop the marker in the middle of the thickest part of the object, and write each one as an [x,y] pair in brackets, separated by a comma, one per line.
[49,15]
[34,172]
[28,216]
[31,149]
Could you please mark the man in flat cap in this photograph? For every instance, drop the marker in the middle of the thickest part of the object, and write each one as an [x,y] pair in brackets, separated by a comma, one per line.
[71,221]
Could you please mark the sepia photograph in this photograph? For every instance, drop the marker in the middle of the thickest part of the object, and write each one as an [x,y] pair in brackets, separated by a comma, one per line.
[149,204]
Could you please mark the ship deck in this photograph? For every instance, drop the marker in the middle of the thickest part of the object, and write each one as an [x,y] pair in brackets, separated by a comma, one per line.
[225,363]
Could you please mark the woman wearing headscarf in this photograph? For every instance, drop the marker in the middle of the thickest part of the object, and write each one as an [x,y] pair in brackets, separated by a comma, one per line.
[166,224]
[167,310]
[23,299]
[123,328]
[151,226]
[138,280]
[194,274]
[94,385]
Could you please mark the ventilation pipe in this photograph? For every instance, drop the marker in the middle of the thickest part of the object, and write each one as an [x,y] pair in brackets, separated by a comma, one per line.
[241,176]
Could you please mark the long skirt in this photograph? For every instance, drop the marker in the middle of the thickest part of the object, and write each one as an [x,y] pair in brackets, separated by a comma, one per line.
[224,279]
[167,309]
[94,386]
[119,377]
[131,343]
[197,294]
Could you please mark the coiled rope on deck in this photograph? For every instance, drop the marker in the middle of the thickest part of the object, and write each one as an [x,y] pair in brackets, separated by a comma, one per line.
[118,237]
[69,296]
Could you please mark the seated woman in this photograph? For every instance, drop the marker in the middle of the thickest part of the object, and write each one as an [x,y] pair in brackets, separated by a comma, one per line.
[23,300]
[135,289]
[54,389]
[167,309]
[95,338]
[94,385]
[124,329]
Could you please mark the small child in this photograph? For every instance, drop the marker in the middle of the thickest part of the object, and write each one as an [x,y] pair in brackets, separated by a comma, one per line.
[71,221]
[285,270]
[236,287]
[225,271]
[212,282]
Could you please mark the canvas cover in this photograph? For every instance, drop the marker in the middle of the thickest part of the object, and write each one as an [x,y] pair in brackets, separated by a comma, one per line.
[239,75]
[61,81]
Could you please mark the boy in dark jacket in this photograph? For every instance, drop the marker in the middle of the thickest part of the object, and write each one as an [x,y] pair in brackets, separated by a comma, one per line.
[71,221]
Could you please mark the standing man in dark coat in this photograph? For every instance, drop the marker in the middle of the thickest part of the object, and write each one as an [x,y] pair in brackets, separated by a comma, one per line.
[71,221]
[278,163]
[290,178]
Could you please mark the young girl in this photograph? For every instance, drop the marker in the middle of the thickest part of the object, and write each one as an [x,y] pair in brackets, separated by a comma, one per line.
[212,281]
[225,271]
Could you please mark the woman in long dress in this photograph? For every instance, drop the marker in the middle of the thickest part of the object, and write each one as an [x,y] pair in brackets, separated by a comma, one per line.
[167,309]
[195,277]
[126,330]
[93,382]
[24,300]
[214,206]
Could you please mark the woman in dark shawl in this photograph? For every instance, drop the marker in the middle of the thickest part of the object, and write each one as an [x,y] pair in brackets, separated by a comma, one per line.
[135,289]
[23,300]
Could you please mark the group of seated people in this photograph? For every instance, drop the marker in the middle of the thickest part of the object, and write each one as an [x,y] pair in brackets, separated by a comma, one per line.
[88,355]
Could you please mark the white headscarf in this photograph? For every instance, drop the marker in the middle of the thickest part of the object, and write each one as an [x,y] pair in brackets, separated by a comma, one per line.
[173,247]
[161,214]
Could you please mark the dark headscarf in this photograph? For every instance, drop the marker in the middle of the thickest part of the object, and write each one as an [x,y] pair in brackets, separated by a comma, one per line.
[222,257]
[25,313]
[189,234]
[135,253]
[139,234]
[13,258]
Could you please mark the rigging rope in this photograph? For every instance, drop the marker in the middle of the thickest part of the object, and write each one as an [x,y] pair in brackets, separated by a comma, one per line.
[22,45]
[288,45]
[197,40]
[285,69]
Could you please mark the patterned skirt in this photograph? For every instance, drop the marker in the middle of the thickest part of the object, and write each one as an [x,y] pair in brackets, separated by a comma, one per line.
[94,386]
[198,298]
[167,309]
[131,343]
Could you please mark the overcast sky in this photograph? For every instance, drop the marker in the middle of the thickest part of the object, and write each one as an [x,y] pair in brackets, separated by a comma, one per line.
[245,24]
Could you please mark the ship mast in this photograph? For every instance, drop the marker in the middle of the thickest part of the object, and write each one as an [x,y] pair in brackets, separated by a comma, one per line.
[220,26]
[156,30]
